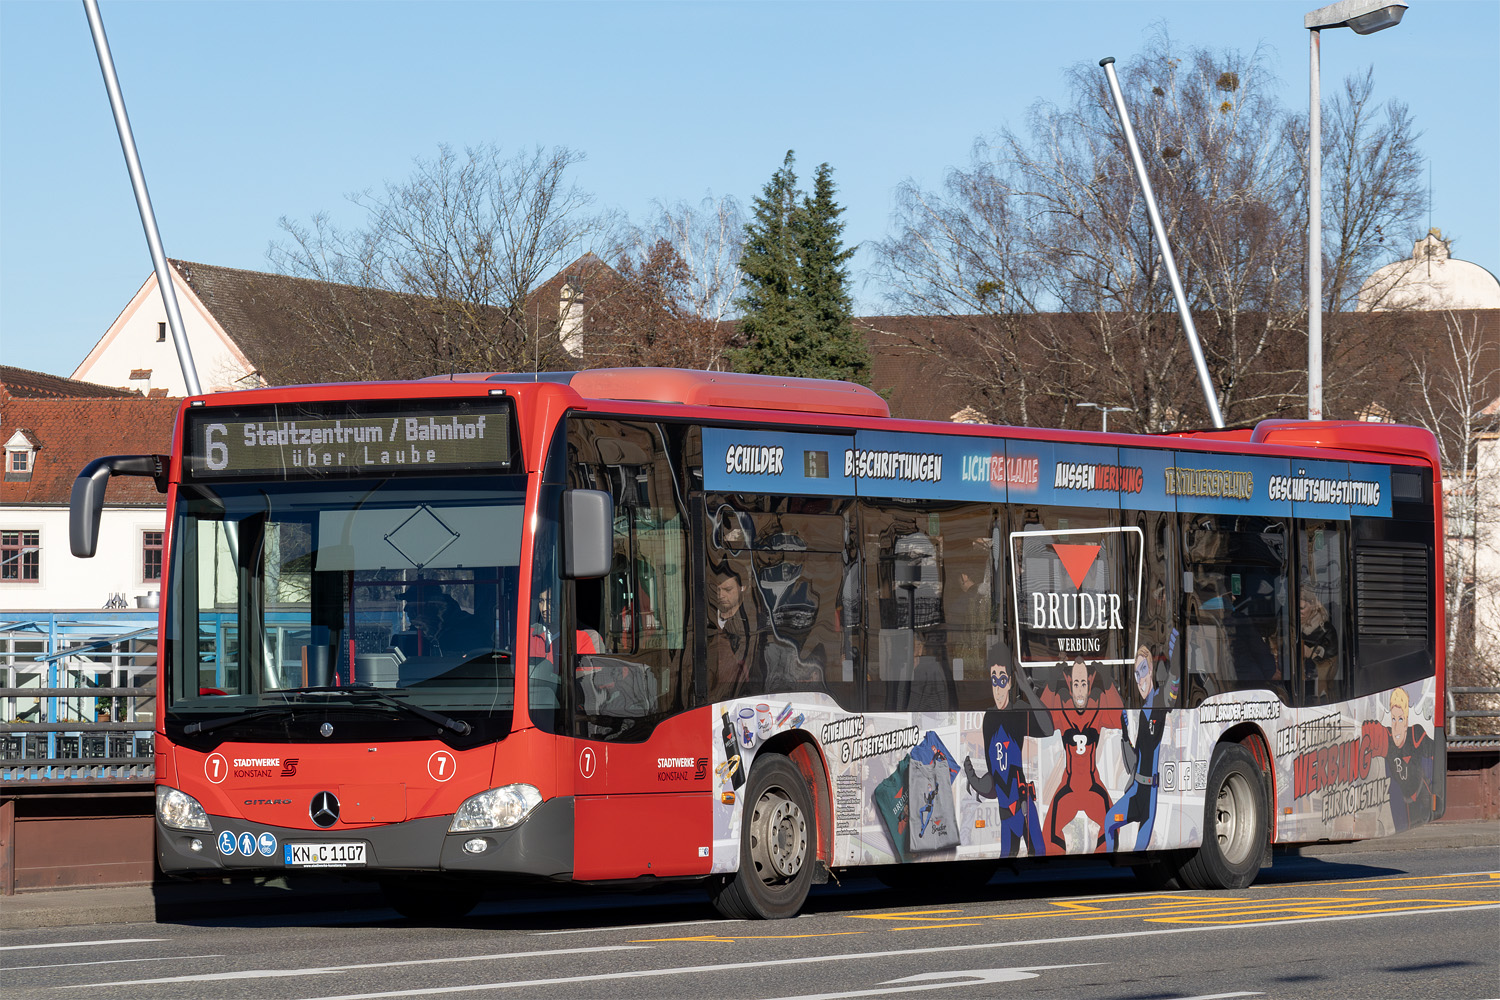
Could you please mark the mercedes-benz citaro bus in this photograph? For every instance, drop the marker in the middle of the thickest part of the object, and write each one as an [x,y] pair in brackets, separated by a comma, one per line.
[646,624]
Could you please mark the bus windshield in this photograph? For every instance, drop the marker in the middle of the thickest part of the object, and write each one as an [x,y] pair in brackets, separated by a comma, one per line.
[377,608]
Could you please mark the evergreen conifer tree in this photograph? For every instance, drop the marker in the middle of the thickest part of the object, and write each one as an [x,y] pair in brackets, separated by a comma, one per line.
[796,305]
[769,261]
[822,300]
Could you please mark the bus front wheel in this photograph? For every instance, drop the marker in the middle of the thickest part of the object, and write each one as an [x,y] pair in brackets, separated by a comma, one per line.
[777,846]
[1236,821]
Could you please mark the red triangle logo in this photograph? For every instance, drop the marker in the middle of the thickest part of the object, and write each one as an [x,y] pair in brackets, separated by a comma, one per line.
[1077,560]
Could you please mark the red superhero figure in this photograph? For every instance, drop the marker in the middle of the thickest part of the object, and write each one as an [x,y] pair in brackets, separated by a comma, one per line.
[1084,703]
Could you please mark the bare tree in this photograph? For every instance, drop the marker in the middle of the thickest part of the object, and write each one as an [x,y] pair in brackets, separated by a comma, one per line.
[709,240]
[1455,383]
[1043,249]
[442,275]
[651,321]
[677,282]
[960,258]
[1374,167]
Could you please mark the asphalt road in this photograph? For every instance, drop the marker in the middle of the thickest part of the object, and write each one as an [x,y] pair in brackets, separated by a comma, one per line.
[1419,923]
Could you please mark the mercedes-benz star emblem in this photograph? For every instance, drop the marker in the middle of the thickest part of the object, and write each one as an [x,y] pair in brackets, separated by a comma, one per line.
[326,729]
[324,809]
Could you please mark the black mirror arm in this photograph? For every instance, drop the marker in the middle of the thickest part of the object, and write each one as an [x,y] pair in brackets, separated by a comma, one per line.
[87,500]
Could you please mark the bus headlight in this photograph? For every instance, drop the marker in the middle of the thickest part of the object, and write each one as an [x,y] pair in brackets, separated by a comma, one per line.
[496,809]
[179,810]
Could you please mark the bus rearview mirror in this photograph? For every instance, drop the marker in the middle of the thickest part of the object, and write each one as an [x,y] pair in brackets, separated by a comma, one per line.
[86,503]
[588,534]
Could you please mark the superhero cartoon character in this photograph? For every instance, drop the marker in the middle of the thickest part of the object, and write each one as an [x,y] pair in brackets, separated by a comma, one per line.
[1083,702]
[1004,728]
[1407,750]
[1142,753]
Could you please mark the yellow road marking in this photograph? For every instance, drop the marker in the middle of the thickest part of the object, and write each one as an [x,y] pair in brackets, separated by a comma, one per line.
[1431,885]
[1178,908]
[1314,912]
[948,915]
[1388,879]
[731,939]
[904,914]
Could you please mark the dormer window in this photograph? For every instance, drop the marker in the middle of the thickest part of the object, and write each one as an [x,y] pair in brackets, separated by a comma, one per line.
[20,456]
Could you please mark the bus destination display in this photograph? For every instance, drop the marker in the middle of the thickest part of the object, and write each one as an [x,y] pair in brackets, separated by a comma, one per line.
[274,442]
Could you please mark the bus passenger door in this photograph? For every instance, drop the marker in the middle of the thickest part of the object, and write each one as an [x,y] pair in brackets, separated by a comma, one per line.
[641,759]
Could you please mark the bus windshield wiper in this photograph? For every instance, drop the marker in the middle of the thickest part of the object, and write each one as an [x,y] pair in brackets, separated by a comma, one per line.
[392,701]
[193,728]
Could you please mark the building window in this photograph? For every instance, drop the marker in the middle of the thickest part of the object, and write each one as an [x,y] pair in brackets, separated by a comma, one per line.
[19,461]
[151,556]
[161,332]
[20,556]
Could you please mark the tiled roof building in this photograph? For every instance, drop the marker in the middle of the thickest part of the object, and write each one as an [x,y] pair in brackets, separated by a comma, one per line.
[51,428]
[22,383]
[67,434]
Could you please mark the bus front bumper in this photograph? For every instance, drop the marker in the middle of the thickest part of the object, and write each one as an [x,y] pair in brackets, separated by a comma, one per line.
[540,846]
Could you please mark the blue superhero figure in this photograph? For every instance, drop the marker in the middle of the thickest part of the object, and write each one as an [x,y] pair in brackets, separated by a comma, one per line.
[1004,728]
[1142,754]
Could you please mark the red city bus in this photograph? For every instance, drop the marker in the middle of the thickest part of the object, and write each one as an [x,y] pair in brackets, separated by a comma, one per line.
[641,624]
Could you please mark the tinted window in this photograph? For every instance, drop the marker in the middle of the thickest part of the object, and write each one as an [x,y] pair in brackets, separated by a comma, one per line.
[1236,609]
[635,618]
[778,571]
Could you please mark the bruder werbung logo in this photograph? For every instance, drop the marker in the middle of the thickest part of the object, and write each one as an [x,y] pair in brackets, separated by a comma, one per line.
[1071,592]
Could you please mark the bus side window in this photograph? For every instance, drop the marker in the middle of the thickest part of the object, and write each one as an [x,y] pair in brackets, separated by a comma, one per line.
[639,610]
[1159,632]
[1321,649]
[911,668]
[1235,609]
[775,580]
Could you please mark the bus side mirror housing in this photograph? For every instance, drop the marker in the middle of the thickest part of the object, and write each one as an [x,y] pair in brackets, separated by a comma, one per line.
[86,504]
[588,534]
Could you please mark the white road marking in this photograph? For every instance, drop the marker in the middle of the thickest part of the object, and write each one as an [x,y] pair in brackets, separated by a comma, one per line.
[929,981]
[633,927]
[900,953]
[1223,996]
[78,944]
[209,977]
[112,961]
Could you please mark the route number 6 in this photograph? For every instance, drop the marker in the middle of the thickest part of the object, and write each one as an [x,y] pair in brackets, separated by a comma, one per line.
[218,451]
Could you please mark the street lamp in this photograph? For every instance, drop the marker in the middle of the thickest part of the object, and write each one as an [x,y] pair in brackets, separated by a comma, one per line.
[1366,17]
[1104,411]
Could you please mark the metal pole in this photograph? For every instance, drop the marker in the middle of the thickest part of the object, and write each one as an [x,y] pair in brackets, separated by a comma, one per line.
[143,199]
[1314,233]
[1108,62]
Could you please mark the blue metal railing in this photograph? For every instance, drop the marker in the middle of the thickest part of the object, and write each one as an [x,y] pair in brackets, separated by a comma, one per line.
[77,695]
[78,688]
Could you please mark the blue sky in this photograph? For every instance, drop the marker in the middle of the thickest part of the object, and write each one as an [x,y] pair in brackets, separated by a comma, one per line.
[245,112]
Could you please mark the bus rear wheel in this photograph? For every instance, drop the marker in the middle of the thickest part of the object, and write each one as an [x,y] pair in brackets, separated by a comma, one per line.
[777,846]
[1236,821]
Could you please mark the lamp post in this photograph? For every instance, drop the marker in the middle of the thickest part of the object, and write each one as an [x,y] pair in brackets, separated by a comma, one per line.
[1104,411]
[1366,17]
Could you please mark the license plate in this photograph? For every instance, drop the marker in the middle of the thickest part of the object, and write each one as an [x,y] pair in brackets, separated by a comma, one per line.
[344,855]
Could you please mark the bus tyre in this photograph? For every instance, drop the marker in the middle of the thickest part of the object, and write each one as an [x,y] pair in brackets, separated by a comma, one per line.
[430,900]
[777,846]
[1235,823]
